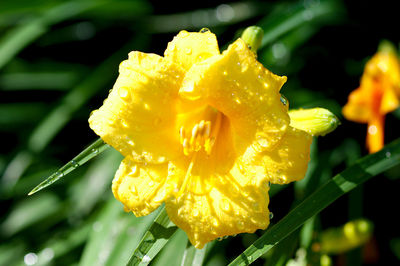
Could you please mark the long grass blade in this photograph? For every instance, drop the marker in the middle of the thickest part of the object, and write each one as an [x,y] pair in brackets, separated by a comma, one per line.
[154,240]
[361,171]
[90,152]
[194,256]
[288,18]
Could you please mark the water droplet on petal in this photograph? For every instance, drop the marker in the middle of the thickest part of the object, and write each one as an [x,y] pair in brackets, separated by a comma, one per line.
[240,225]
[124,123]
[135,170]
[196,212]
[271,215]
[225,205]
[188,51]
[123,92]
[262,140]
[183,34]
[284,101]
[215,222]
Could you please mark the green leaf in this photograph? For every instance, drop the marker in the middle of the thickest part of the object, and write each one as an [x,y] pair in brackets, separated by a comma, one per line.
[28,213]
[361,171]
[173,251]
[194,256]
[154,240]
[113,233]
[90,152]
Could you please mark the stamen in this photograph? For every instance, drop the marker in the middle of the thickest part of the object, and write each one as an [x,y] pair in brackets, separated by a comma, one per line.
[203,133]
[182,134]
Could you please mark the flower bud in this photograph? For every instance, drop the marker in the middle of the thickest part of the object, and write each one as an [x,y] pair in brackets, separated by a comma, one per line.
[253,36]
[342,239]
[315,121]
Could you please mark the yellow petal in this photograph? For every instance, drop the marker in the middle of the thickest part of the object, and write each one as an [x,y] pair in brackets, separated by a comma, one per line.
[227,209]
[141,187]
[188,48]
[288,161]
[237,85]
[389,102]
[138,117]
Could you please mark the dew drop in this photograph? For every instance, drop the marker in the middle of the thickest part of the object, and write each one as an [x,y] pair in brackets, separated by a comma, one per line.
[123,92]
[48,254]
[151,183]
[138,255]
[195,212]
[133,190]
[388,154]
[262,140]
[271,215]
[134,171]
[241,168]
[30,258]
[59,174]
[225,205]
[240,225]
[215,222]
[124,124]
[74,164]
[95,151]
[146,259]
[183,34]
[188,51]
[284,101]
[204,30]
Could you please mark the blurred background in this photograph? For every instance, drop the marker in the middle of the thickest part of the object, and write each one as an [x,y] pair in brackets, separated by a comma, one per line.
[59,59]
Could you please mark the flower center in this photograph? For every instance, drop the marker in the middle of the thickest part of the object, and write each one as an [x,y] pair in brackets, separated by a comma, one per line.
[199,130]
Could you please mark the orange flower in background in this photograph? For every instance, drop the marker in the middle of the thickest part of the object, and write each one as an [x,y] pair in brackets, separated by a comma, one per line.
[378,94]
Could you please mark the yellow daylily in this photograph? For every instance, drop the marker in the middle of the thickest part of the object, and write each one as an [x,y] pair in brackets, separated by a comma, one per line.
[204,132]
[378,94]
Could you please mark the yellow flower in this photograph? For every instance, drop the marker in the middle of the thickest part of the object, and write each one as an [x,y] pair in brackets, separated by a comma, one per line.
[377,95]
[203,132]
